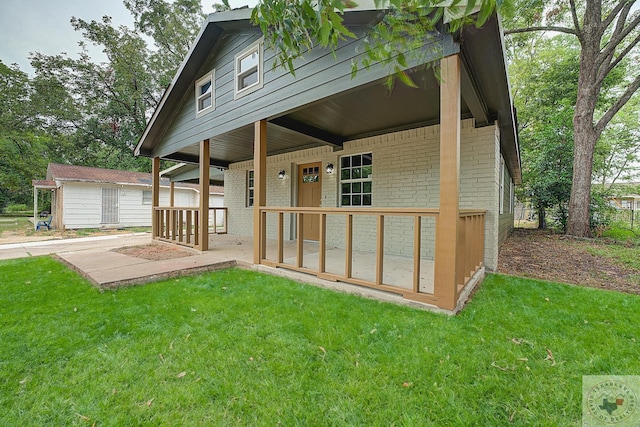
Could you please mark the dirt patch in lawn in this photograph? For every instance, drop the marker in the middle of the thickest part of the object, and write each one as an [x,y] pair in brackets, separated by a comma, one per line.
[155,252]
[540,254]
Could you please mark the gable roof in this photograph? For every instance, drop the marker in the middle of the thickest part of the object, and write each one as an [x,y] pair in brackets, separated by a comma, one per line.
[358,107]
[73,173]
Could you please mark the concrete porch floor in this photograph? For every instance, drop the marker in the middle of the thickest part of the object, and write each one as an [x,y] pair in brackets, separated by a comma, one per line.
[108,269]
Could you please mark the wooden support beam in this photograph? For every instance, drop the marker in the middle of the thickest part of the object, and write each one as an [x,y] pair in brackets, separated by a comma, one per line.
[259,187]
[203,223]
[156,219]
[448,219]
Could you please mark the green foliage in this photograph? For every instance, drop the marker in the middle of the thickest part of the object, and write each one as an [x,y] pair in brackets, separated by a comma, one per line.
[75,111]
[545,87]
[601,211]
[242,348]
[292,28]
[23,146]
[621,232]
[16,208]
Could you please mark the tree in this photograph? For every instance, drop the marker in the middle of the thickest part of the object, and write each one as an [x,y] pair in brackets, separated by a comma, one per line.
[102,109]
[544,74]
[22,147]
[608,34]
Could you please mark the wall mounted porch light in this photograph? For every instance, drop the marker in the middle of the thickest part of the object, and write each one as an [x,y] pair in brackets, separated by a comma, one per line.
[330,168]
[281,174]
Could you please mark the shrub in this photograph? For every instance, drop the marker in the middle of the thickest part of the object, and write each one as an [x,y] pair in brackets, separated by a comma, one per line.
[16,208]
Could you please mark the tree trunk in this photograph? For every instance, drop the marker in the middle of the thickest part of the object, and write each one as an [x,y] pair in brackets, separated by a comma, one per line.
[542,219]
[584,133]
[579,203]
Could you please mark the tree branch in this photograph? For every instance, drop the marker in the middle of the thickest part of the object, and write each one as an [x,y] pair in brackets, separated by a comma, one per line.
[614,12]
[605,71]
[624,98]
[576,21]
[620,33]
[542,28]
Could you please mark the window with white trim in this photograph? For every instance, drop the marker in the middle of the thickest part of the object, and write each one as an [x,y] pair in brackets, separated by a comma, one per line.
[501,188]
[205,94]
[356,180]
[250,188]
[146,197]
[248,70]
[512,197]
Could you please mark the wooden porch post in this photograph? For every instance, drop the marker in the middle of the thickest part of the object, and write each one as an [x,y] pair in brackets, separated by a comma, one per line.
[259,187]
[155,197]
[447,223]
[35,207]
[172,194]
[204,195]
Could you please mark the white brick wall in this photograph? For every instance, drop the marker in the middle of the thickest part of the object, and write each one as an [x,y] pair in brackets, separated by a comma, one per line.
[406,173]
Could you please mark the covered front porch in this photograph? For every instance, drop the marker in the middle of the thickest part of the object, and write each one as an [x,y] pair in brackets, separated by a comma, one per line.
[435,275]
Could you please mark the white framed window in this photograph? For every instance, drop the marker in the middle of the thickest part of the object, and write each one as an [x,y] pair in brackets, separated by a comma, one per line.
[205,94]
[248,70]
[512,196]
[356,180]
[146,197]
[250,188]
[501,188]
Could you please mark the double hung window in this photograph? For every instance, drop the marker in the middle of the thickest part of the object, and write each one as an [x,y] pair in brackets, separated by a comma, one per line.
[356,180]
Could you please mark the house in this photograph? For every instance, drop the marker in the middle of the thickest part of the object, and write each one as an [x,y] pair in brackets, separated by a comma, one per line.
[625,195]
[339,177]
[87,197]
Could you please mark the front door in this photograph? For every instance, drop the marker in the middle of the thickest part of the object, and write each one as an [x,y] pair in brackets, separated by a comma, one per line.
[309,195]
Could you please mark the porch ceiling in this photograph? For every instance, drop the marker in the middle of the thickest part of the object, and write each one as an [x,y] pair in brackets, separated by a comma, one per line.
[361,112]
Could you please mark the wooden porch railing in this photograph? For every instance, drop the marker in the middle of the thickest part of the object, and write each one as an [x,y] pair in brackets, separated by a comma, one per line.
[470,247]
[470,252]
[180,225]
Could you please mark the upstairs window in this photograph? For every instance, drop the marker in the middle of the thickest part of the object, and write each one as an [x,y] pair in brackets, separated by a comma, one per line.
[205,94]
[248,70]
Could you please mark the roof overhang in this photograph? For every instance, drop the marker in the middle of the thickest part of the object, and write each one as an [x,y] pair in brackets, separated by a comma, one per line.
[190,172]
[362,111]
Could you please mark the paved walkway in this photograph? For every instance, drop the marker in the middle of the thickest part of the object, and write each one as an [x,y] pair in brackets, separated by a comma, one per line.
[93,258]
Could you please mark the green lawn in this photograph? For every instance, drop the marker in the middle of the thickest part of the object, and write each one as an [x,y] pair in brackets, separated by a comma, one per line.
[242,348]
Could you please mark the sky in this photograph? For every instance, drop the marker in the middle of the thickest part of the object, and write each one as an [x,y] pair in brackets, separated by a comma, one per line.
[28,26]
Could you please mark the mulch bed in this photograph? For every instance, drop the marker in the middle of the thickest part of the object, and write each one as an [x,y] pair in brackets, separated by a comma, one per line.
[540,254]
[155,252]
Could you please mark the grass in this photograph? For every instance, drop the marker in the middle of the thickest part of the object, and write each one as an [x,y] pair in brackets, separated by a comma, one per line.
[16,224]
[23,227]
[242,348]
[625,248]
[622,232]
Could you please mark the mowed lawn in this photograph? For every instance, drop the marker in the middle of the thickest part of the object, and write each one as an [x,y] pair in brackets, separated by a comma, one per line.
[243,348]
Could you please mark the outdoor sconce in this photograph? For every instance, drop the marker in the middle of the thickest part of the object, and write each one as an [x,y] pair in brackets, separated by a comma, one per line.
[281,174]
[330,168]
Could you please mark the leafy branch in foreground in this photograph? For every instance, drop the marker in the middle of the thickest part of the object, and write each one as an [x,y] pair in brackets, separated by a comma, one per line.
[403,27]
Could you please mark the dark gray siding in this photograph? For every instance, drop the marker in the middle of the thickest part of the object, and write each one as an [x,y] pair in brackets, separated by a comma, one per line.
[319,75]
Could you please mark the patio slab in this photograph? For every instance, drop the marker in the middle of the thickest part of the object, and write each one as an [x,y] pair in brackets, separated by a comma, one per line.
[95,259]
